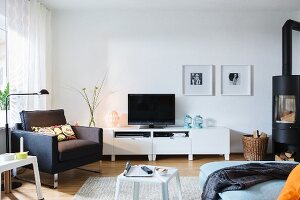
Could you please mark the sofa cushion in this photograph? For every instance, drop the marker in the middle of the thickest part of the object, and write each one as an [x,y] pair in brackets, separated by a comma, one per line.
[267,190]
[73,149]
[291,189]
[42,118]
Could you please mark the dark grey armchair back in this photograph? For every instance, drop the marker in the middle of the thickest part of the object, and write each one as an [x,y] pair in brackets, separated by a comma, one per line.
[42,118]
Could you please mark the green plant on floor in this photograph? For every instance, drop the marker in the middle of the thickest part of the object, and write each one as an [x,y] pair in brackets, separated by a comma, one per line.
[3,95]
[93,100]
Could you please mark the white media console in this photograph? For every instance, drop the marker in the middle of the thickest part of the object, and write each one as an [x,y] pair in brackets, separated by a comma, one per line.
[167,141]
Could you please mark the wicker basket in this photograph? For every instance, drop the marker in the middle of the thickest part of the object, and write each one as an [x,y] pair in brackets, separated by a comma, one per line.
[255,148]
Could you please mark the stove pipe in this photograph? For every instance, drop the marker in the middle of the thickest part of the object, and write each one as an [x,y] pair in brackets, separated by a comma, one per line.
[287,29]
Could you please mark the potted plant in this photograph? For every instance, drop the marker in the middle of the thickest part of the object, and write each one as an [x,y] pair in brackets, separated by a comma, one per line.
[3,94]
[93,100]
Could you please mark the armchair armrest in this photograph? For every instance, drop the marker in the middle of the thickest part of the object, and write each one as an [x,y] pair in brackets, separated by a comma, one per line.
[44,147]
[89,133]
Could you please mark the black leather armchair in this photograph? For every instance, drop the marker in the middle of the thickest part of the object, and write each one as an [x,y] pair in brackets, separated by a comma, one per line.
[53,156]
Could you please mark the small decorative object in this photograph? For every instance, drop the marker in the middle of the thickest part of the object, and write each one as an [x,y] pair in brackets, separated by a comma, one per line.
[198,121]
[236,80]
[209,122]
[114,118]
[188,121]
[21,155]
[161,171]
[198,79]
[93,101]
[21,144]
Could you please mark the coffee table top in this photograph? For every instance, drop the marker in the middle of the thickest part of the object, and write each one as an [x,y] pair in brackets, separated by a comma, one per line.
[156,178]
[7,165]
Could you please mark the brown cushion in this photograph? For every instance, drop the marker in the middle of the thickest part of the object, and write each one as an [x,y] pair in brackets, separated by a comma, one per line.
[42,118]
[73,149]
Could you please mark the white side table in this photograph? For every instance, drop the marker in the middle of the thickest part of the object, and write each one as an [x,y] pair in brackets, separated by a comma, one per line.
[162,180]
[9,165]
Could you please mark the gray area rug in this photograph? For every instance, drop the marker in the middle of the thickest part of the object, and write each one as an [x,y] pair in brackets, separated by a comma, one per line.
[104,188]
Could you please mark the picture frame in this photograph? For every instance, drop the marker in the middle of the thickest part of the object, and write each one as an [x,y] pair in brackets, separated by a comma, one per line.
[236,80]
[198,80]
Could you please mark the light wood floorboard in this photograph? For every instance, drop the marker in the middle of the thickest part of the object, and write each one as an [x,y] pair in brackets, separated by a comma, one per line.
[71,180]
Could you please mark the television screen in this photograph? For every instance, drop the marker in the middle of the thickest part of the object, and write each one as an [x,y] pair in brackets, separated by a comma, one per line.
[151,109]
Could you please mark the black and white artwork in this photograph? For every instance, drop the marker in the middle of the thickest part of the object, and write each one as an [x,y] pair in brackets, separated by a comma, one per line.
[196,78]
[234,78]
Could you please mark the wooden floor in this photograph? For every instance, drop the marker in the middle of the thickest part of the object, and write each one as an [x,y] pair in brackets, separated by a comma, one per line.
[71,181]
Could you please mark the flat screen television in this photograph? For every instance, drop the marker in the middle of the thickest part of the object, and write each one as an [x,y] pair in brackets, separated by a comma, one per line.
[151,109]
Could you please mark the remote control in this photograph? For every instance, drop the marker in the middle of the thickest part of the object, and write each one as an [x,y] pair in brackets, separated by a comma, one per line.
[127,168]
[147,170]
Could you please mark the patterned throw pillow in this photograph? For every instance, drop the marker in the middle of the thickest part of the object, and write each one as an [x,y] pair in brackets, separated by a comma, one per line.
[63,132]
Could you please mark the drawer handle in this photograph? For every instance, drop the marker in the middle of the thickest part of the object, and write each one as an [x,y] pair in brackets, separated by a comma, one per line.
[133,138]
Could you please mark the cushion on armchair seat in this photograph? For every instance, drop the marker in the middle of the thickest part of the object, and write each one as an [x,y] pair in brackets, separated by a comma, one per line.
[74,149]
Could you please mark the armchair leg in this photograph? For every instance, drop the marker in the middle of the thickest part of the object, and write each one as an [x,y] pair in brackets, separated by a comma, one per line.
[55,181]
[91,170]
[100,166]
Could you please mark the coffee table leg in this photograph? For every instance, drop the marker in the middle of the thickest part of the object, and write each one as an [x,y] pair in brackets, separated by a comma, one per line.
[117,189]
[164,191]
[37,179]
[7,182]
[136,190]
[178,185]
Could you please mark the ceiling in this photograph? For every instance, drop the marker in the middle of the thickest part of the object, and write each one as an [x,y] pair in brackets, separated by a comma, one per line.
[211,5]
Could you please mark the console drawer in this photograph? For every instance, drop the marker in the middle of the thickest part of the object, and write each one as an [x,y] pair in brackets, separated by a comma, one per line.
[176,145]
[132,146]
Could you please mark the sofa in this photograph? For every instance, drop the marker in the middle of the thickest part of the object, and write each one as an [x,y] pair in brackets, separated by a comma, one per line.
[263,191]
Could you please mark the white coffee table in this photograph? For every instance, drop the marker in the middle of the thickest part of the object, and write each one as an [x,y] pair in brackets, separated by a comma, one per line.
[162,180]
[6,166]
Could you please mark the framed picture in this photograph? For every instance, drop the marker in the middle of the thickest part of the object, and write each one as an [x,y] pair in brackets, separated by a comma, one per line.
[236,80]
[197,79]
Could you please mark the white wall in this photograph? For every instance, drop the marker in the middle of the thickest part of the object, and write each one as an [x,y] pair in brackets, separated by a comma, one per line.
[2,27]
[2,14]
[144,52]
[296,47]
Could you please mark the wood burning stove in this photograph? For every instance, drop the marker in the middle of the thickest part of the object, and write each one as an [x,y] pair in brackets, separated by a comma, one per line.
[286,99]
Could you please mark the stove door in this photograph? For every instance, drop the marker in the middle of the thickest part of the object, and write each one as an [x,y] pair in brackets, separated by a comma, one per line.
[285,109]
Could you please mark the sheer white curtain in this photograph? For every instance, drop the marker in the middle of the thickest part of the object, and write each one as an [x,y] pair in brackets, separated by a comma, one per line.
[29,53]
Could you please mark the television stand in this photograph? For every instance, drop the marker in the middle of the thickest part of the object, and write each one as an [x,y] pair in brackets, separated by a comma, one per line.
[168,141]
